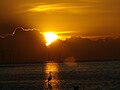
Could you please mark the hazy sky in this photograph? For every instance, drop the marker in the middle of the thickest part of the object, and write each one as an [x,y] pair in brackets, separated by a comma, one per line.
[79,17]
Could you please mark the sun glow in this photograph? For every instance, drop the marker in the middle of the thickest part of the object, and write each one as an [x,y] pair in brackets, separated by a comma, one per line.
[50,37]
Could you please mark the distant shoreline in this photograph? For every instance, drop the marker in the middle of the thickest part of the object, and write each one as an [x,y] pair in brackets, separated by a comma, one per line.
[33,63]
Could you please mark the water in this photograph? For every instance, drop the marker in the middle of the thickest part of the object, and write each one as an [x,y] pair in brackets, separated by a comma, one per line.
[88,75]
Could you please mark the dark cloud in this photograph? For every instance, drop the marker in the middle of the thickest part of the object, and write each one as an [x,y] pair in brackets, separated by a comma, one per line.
[23,46]
[27,45]
[85,49]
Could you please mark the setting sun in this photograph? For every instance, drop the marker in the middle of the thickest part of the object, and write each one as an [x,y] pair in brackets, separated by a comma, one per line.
[50,37]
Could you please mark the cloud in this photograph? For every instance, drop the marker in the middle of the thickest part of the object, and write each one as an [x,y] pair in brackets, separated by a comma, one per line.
[79,49]
[69,7]
[79,7]
[25,45]
[52,7]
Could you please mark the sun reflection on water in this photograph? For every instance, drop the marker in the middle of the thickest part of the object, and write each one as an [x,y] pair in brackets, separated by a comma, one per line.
[54,83]
[53,67]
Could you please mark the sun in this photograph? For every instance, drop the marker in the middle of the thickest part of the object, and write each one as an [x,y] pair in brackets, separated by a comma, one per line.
[50,37]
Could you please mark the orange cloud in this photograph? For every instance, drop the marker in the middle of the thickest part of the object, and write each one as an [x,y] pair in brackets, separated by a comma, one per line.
[67,7]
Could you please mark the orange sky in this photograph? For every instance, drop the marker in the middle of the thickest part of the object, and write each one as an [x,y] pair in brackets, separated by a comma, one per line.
[66,17]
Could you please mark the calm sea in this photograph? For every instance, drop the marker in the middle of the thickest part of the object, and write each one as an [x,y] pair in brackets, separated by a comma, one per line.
[86,75]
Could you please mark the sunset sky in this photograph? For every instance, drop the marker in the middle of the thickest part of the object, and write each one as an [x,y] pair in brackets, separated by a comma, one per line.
[66,17]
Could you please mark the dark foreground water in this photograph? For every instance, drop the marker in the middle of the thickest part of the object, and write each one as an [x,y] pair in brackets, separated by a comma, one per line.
[86,75]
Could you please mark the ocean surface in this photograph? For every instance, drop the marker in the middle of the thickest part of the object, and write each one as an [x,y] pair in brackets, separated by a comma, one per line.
[86,75]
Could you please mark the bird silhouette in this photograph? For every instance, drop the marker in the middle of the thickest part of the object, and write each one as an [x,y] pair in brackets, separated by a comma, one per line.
[50,77]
